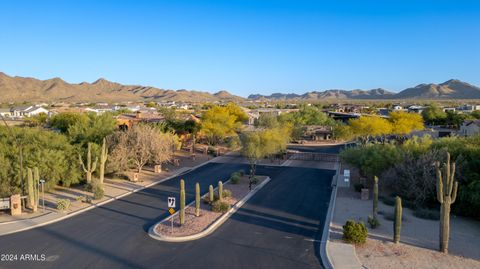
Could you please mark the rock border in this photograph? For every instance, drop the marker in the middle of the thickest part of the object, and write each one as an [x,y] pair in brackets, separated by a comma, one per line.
[212,227]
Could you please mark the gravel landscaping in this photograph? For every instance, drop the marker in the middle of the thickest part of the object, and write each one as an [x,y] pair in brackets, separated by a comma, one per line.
[193,224]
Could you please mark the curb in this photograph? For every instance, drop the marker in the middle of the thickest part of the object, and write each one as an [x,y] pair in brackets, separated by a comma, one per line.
[21,220]
[71,214]
[212,227]
[324,255]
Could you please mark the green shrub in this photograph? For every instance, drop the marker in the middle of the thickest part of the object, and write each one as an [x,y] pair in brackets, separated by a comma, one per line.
[63,204]
[79,198]
[424,213]
[374,223]
[355,233]
[98,192]
[241,172]
[225,194]
[220,206]
[254,180]
[235,179]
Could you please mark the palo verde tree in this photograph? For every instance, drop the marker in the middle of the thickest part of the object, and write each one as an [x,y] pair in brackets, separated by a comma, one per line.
[259,144]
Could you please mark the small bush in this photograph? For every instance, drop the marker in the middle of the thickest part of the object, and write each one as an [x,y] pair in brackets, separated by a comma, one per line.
[79,198]
[63,204]
[358,187]
[355,233]
[424,213]
[220,206]
[235,179]
[374,223]
[225,194]
[241,172]
[254,180]
[98,192]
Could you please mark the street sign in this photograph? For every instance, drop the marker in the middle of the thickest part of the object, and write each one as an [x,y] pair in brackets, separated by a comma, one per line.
[42,180]
[171,211]
[171,202]
[4,203]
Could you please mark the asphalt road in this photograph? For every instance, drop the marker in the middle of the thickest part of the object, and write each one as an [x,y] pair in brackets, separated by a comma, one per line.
[280,227]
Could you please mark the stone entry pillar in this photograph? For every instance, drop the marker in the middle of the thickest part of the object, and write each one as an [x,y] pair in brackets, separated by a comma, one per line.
[15,205]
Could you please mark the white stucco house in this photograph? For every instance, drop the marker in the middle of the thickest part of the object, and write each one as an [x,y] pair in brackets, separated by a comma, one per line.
[28,111]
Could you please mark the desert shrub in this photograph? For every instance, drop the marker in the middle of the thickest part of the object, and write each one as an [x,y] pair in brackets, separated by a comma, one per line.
[241,172]
[225,194]
[373,222]
[235,179]
[220,206]
[98,192]
[424,213]
[254,180]
[354,232]
[413,178]
[63,204]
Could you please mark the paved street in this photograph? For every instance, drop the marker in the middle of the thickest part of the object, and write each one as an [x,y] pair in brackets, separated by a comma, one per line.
[278,228]
[334,149]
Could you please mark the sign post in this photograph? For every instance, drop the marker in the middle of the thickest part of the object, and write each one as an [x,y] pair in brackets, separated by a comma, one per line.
[171,208]
[42,181]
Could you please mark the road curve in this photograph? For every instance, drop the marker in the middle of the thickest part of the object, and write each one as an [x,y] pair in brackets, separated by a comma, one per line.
[278,228]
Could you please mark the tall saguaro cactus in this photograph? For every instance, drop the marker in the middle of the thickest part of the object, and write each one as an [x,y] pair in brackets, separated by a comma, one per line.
[36,184]
[397,222]
[30,189]
[89,168]
[33,179]
[103,160]
[220,190]
[182,202]
[211,195]
[197,199]
[447,188]
[375,197]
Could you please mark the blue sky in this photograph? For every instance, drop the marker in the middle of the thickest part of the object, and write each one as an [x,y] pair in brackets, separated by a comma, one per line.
[244,46]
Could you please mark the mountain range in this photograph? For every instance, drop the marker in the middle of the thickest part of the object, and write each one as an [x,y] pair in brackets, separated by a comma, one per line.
[19,89]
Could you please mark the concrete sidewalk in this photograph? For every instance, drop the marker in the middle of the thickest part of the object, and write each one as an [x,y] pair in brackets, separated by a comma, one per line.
[114,189]
[339,254]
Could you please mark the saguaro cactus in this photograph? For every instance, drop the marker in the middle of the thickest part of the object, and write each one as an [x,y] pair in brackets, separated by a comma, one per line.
[375,197]
[36,184]
[446,195]
[89,168]
[30,189]
[220,190]
[182,202]
[103,160]
[397,223]
[211,195]
[197,199]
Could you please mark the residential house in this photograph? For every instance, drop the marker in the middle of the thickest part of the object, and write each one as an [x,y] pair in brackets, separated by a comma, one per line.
[28,111]
[317,133]
[469,128]
[5,112]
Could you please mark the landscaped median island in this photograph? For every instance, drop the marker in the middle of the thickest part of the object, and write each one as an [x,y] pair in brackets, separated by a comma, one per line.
[235,193]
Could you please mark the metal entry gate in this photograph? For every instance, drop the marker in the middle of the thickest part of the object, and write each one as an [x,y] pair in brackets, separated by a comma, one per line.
[310,156]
